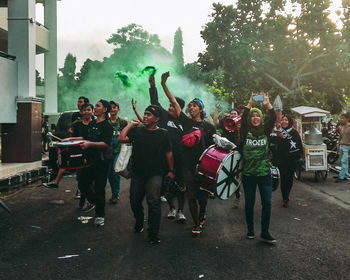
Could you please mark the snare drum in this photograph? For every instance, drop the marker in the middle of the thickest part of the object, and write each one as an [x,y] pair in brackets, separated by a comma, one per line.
[219,171]
[71,156]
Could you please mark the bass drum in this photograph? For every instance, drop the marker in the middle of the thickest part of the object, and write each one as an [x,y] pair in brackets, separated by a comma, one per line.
[220,171]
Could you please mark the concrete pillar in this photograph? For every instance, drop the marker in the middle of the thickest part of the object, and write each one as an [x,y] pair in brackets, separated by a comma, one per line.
[21,43]
[50,63]
[21,142]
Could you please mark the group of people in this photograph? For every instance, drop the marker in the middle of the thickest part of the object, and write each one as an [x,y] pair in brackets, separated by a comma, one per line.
[167,145]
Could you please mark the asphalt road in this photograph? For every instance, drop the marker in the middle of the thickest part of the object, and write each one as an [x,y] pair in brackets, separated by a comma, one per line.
[312,240]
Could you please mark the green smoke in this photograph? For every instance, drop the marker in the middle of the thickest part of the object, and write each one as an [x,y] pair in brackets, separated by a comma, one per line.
[123,78]
[149,69]
[124,75]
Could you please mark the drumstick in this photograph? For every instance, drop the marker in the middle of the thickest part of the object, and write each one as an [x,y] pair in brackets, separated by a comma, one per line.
[51,135]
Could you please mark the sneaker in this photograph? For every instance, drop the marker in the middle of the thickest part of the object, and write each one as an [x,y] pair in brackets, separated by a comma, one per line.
[153,239]
[77,194]
[267,238]
[250,234]
[99,221]
[285,204]
[51,186]
[163,199]
[88,207]
[171,213]
[196,230]
[114,199]
[236,203]
[138,228]
[180,216]
[201,220]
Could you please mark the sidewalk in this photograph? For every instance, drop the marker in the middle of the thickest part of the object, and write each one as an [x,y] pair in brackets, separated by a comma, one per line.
[17,174]
[339,193]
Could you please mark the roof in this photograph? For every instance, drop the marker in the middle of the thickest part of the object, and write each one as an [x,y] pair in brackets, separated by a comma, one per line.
[310,111]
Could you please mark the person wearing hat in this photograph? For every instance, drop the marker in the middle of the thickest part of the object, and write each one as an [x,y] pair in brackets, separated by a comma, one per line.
[288,151]
[93,179]
[194,127]
[151,158]
[256,169]
[118,124]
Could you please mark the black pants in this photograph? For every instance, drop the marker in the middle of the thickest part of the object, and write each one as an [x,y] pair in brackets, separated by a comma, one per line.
[92,183]
[149,187]
[286,173]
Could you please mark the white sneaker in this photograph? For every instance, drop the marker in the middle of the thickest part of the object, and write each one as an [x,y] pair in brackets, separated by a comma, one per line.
[99,221]
[236,203]
[172,213]
[180,216]
[163,199]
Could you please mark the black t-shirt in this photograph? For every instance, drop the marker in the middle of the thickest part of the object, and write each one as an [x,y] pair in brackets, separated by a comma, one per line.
[99,132]
[149,148]
[76,116]
[191,155]
[80,129]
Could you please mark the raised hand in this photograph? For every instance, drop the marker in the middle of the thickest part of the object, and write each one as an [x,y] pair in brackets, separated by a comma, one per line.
[165,76]
[133,104]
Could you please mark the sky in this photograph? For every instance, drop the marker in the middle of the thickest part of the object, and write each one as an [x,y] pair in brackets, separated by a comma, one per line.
[84,25]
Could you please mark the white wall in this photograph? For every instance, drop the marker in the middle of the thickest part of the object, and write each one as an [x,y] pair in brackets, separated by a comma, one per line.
[8,90]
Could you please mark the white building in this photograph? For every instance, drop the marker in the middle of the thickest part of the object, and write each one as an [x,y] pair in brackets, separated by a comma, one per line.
[21,39]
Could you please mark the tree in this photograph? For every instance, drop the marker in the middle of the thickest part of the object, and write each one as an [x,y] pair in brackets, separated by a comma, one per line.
[133,33]
[39,81]
[178,52]
[274,50]
[67,83]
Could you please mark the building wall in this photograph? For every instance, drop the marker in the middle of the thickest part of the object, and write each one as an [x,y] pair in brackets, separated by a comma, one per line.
[8,90]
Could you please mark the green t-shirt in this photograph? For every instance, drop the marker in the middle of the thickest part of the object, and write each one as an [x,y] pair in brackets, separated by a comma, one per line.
[256,155]
[117,128]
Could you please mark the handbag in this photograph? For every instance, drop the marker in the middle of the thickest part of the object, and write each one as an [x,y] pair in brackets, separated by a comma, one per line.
[121,166]
[192,139]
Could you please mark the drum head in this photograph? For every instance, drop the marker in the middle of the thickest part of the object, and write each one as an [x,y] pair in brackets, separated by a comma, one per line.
[229,176]
[70,143]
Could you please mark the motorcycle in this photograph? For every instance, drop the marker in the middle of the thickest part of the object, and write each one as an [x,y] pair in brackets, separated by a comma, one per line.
[332,141]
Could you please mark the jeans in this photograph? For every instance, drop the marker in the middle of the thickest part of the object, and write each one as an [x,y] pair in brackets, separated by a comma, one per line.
[149,187]
[92,183]
[265,189]
[344,155]
[114,178]
[287,177]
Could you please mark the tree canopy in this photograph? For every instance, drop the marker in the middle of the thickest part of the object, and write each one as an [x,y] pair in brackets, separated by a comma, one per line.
[293,50]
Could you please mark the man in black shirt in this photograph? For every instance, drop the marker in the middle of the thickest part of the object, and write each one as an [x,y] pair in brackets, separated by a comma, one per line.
[151,147]
[168,120]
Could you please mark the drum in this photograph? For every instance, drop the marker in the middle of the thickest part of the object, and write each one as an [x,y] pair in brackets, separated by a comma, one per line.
[219,171]
[71,156]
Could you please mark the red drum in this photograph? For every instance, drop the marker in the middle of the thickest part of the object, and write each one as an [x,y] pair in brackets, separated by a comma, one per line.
[220,171]
[71,156]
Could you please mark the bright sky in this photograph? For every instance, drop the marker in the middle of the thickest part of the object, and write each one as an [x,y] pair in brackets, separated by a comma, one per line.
[84,25]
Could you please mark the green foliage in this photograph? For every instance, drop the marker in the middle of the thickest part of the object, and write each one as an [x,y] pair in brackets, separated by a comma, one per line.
[131,34]
[38,80]
[178,52]
[260,46]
